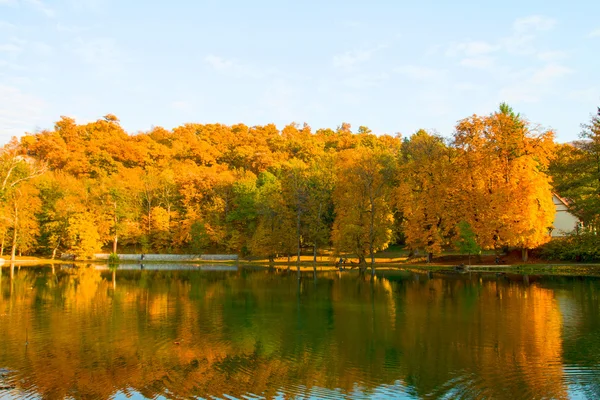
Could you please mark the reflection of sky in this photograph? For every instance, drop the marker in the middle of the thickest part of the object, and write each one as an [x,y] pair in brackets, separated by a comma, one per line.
[393,391]
[170,267]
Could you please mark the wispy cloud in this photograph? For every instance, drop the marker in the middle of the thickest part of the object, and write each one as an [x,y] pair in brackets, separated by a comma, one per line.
[520,41]
[478,62]
[549,73]
[471,48]
[519,94]
[6,25]
[182,105]
[19,112]
[587,95]
[595,33]
[10,48]
[420,73]
[365,80]
[38,5]
[71,28]
[534,84]
[102,54]
[42,48]
[534,23]
[236,68]
[351,59]
[551,55]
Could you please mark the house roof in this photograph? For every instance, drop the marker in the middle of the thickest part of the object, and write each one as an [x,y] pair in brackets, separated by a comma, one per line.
[562,200]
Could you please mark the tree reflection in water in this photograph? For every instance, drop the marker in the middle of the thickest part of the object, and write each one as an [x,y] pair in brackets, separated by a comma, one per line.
[96,334]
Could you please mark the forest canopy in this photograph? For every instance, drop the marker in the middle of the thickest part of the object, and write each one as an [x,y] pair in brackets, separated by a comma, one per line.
[261,191]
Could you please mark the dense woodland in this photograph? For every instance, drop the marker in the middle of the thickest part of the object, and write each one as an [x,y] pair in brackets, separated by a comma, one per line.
[264,192]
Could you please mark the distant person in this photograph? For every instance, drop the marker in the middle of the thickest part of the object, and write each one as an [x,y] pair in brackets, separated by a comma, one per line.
[142,257]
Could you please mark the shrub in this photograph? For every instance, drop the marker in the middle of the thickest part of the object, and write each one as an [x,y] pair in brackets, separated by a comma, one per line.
[582,247]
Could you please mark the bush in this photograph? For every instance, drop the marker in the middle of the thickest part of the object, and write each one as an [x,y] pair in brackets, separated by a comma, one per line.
[113,258]
[582,247]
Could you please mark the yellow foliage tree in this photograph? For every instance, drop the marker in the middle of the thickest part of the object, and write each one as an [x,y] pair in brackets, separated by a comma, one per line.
[364,218]
[504,188]
[425,192]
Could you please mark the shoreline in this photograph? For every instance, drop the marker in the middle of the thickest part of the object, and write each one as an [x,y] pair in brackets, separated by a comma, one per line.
[592,269]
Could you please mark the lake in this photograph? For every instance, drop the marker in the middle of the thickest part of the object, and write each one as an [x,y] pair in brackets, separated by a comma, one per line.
[189,332]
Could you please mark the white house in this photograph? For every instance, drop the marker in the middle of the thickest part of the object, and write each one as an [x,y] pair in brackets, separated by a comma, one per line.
[564,222]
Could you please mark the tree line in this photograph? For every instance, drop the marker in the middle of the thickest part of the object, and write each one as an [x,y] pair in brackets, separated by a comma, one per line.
[260,191]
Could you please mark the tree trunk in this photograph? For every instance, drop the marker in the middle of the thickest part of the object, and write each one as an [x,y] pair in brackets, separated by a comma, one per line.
[525,254]
[115,222]
[2,245]
[372,234]
[298,235]
[315,240]
[362,261]
[13,251]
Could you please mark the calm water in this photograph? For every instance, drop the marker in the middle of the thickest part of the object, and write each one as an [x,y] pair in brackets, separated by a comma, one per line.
[91,333]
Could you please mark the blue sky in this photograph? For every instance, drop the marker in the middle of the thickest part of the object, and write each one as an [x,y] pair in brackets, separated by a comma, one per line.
[393,66]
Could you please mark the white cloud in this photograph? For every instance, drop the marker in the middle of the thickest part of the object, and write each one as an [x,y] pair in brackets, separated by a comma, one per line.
[71,28]
[595,33]
[549,73]
[587,95]
[37,5]
[351,58]
[471,48]
[10,48]
[366,80]
[180,105]
[41,7]
[6,25]
[19,112]
[420,73]
[519,94]
[525,32]
[42,48]
[102,54]
[531,85]
[551,55]
[534,23]
[218,63]
[466,87]
[235,68]
[478,62]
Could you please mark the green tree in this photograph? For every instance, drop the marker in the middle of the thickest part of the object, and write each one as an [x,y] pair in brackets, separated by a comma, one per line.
[466,241]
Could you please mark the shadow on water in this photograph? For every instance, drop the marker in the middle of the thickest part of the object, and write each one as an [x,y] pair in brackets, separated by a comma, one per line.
[200,330]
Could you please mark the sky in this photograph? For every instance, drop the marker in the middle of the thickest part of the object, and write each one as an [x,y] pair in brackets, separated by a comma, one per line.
[393,66]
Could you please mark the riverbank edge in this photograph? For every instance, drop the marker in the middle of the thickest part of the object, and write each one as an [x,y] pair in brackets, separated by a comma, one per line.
[306,266]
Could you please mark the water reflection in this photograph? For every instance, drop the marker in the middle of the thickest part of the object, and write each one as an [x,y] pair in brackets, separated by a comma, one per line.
[100,333]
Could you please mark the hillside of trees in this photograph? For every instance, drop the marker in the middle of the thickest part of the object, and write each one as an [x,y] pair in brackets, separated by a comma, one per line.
[260,191]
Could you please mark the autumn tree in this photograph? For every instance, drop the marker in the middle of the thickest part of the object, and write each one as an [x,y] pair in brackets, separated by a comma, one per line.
[505,189]
[426,192]
[364,219]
